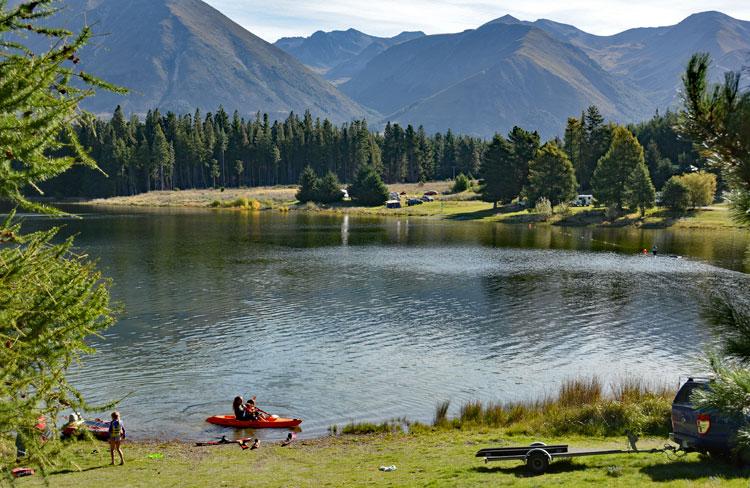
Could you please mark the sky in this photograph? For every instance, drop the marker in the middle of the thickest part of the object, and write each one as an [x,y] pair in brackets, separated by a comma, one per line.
[271,19]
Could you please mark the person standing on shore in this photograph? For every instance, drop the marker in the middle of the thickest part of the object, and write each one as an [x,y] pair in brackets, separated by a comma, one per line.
[116,435]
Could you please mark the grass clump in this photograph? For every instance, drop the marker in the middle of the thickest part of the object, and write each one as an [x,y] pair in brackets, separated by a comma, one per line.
[366,428]
[581,407]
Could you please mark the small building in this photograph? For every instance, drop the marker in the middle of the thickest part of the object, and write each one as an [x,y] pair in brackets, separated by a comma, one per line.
[393,204]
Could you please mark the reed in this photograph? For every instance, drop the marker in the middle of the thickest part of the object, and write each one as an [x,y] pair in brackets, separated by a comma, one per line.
[581,406]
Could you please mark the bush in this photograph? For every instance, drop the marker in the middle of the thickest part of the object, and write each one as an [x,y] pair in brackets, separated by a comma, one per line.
[368,188]
[675,195]
[564,210]
[461,183]
[701,188]
[329,190]
[309,185]
[543,208]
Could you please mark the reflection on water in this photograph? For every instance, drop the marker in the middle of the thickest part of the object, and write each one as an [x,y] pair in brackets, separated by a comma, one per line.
[339,318]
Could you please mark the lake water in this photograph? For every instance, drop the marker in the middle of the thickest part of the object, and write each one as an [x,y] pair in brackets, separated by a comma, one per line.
[336,319]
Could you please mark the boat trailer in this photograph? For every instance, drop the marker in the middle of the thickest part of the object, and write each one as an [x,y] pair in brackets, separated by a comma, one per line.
[538,455]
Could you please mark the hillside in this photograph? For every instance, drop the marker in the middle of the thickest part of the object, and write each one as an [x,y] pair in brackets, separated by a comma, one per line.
[182,54]
[339,55]
[654,58]
[489,79]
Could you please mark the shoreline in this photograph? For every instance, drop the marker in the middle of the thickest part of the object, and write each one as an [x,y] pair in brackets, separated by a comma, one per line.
[450,207]
[441,458]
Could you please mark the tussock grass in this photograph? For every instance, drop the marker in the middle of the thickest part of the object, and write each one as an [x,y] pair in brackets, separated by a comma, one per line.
[582,406]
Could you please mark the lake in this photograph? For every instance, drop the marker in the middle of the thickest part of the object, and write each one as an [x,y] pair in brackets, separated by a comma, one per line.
[340,318]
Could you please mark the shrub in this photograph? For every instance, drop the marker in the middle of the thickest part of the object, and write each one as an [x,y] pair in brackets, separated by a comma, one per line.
[701,188]
[612,213]
[543,208]
[461,184]
[368,188]
[675,195]
[564,210]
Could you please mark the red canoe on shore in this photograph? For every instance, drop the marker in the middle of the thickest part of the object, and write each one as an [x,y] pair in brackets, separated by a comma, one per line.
[99,428]
[267,423]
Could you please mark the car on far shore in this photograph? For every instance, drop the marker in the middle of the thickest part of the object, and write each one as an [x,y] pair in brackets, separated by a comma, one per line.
[431,193]
[414,201]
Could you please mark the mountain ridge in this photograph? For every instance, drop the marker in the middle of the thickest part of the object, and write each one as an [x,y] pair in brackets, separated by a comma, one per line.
[180,55]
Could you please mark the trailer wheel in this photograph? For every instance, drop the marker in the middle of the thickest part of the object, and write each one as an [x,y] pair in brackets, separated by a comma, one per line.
[537,461]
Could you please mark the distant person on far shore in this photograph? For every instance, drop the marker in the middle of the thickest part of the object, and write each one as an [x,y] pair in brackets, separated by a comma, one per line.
[654,250]
[116,435]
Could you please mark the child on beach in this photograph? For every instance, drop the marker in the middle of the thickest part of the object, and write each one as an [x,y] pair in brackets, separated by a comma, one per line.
[116,435]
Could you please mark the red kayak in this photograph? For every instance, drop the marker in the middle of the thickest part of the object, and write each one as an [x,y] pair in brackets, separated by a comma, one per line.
[99,428]
[267,423]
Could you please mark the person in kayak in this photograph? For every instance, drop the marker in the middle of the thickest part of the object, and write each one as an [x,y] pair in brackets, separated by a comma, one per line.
[240,410]
[116,435]
[253,412]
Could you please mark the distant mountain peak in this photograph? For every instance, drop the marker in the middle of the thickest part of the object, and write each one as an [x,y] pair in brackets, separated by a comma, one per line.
[507,19]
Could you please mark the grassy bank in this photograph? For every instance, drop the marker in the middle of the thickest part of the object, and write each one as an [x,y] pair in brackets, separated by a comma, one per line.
[463,206]
[440,458]
[441,454]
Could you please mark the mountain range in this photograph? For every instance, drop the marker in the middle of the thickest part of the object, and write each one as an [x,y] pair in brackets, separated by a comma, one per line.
[183,54]
[339,54]
[536,74]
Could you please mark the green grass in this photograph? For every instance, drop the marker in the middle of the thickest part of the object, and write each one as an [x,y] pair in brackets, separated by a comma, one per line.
[437,455]
[460,206]
[434,458]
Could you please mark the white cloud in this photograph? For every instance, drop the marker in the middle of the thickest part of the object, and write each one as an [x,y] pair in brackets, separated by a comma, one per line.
[277,18]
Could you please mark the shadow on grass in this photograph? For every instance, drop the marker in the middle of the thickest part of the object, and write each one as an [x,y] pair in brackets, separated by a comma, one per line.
[82,470]
[668,218]
[521,218]
[520,471]
[692,470]
[477,215]
[583,218]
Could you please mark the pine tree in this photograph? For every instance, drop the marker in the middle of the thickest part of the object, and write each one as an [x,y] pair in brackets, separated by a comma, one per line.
[573,143]
[329,190]
[596,141]
[497,171]
[51,300]
[368,188]
[639,190]
[609,182]
[309,186]
[551,176]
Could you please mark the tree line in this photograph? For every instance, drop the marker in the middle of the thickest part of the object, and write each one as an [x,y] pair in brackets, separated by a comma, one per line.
[170,151]
[604,159]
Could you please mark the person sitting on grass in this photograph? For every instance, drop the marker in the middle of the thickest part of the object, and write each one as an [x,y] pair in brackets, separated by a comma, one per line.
[116,435]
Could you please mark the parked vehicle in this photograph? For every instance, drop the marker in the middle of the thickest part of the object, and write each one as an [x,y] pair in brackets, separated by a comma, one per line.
[427,198]
[705,431]
[414,201]
[431,193]
[583,201]
[394,196]
[393,204]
